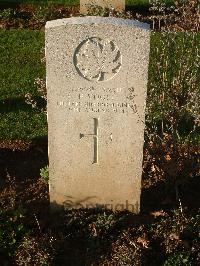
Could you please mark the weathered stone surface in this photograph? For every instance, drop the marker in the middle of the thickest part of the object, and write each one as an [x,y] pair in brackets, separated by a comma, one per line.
[118,5]
[97,71]
[85,5]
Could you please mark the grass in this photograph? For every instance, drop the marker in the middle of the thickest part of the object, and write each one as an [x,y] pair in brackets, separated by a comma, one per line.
[65,2]
[21,52]
[174,75]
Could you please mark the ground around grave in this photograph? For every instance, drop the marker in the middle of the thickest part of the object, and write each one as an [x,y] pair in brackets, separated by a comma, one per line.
[166,232]
[176,15]
[162,233]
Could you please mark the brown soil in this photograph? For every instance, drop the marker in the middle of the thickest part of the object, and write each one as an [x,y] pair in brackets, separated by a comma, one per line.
[21,184]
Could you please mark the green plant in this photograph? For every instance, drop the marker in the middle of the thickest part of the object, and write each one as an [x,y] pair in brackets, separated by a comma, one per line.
[172,114]
[178,232]
[42,14]
[95,10]
[35,251]
[12,229]
[181,15]
[6,13]
[44,173]
[177,259]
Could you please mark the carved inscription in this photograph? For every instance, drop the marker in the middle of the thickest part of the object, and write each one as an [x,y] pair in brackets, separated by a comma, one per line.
[86,100]
[95,136]
[97,60]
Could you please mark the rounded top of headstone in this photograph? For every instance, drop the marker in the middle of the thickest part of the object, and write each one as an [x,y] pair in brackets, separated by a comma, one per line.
[98,21]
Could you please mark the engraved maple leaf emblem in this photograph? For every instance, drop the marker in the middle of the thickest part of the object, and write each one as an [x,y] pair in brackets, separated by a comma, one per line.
[98,60]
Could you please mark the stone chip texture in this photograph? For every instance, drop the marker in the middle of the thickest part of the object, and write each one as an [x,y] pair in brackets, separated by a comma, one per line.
[97,72]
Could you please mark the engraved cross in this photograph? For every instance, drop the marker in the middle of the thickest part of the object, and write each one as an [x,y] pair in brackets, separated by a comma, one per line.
[95,136]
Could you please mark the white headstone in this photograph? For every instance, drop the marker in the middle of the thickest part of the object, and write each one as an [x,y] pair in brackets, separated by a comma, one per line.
[85,5]
[97,71]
